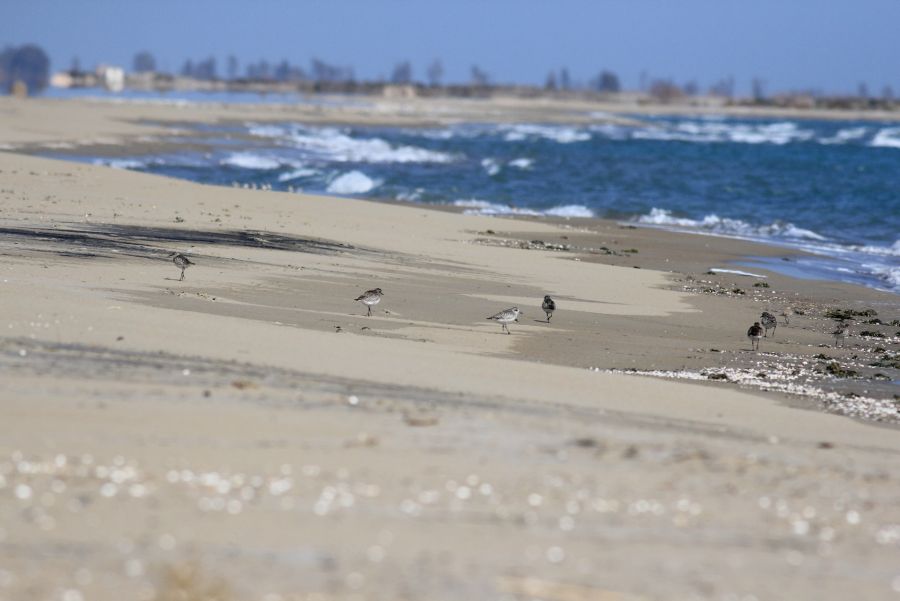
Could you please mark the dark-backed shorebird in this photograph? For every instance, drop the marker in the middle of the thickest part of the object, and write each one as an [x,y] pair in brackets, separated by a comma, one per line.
[549,306]
[181,262]
[754,334]
[840,334]
[768,322]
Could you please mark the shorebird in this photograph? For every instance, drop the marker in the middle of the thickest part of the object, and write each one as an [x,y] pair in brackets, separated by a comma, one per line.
[787,315]
[507,316]
[768,322]
[840,334]
[181,262]
[549,306]
[369,298]
[754,334]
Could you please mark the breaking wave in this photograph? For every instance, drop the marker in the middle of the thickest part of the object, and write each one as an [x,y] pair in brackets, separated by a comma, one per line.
[334,145]
[249,160]
[725,226]
[352,182]
[474,206]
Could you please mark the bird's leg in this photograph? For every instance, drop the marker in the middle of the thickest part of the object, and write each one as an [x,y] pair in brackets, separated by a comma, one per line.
[369,313]
[774,329]
[549,315]
[182,275]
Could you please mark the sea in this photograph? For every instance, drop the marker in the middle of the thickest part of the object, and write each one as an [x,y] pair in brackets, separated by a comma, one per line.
[828,187]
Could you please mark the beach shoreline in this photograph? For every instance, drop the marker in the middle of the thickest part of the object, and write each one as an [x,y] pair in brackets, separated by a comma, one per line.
[250,429]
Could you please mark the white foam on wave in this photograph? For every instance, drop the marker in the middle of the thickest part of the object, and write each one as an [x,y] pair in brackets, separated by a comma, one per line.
[722,225]
[474,206]
[297,174]
[888,137]
[736,272]
[556,133]
[722,131]
[352,182]
[490,166]
[249,160]
[890,251]
[121,163]
[569,211]
[522,163]
[332,144]
[848,134]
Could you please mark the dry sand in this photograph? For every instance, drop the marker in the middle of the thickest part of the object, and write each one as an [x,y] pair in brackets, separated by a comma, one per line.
[249,434]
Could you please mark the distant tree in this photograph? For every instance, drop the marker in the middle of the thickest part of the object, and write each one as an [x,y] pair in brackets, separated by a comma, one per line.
[187,69]
[723,87]
[862,91]
[691,88]
[565,82]
[642,81]
[402,73]
[758,89]
[76,65]
[205,69]
[283,70]
[144,62]
[323,72]
[27,64]
[665,90]
[887,94]
[232,67]
[606,81]
[550,82]
[479,77]
[435,72]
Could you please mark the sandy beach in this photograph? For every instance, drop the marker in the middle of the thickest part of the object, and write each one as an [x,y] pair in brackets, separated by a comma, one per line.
[248,433]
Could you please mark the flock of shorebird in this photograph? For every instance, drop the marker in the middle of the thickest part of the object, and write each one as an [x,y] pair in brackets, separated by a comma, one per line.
[767,321]
[372,297]
[758,330]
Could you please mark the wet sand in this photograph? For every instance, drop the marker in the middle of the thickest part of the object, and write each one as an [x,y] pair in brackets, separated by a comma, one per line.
[249,434]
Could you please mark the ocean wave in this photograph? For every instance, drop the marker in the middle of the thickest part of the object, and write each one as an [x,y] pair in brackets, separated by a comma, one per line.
[121,163]
[888,137]
[522,163]
[888,274]
[249,160]
[297,174]
[722,225]
[352,182]
[556,133]
[845,135]
[778,133]
[474,206]
[490,166]
[889,251]
[332,144]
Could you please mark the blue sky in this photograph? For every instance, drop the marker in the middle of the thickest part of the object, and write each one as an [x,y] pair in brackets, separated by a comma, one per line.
[831,45]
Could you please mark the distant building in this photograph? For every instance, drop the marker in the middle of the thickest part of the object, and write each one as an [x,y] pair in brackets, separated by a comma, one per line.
[399,91]
[111,78]
[73,79]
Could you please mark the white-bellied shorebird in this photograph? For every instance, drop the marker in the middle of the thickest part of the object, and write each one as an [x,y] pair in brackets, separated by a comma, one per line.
[370,298]
[506,316]
[787,313]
